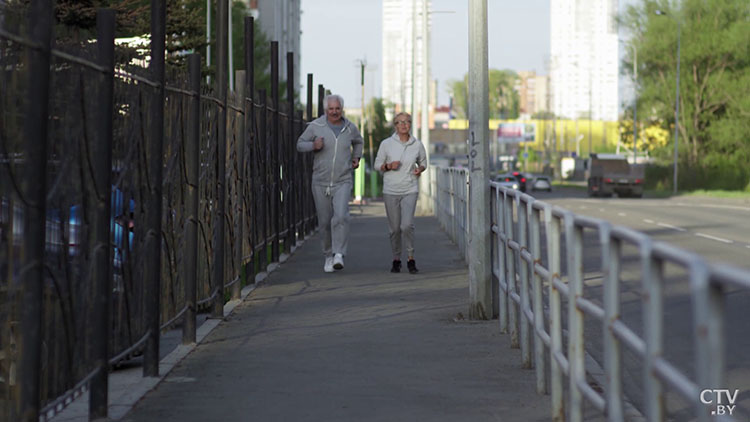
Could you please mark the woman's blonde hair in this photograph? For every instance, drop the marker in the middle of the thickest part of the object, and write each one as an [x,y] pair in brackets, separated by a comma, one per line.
[402,113]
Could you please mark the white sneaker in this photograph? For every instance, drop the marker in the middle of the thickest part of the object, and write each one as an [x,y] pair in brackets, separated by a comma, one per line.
[328,266]
[338,261]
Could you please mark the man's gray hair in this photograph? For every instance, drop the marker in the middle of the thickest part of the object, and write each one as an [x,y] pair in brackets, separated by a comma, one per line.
[333,97]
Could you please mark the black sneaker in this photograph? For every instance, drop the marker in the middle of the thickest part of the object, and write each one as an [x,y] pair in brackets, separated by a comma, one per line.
[412,266]
[396,267]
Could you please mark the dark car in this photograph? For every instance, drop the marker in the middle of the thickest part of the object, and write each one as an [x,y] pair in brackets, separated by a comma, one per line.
[507,180]
[522,179]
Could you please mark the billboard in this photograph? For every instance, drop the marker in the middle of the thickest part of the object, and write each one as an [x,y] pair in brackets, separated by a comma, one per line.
[510,133]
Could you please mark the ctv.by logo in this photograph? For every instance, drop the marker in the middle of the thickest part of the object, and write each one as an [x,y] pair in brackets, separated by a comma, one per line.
[721,399]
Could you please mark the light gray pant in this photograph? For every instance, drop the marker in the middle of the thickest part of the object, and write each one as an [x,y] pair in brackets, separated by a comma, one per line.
[400,211]
[332,207]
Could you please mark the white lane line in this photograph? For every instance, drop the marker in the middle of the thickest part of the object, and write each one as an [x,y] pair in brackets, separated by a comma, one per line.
[648,221]
[669,226]
[718,239]
[747,246]
[621,214]
[582,207]
[601,209]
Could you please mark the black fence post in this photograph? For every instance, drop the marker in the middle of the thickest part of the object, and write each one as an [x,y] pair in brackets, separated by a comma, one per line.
[290,170]
[275,161]
[300,189]
[33,188]
[222,75]
[251,137]
[306,166]
[101,159]
[309,105]
[192,153]
[152,290]
[239,206]
[263,179]
[321,96]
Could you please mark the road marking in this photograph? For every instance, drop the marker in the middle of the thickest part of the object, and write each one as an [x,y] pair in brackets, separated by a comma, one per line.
[747,246]
[582,207]
[669,226]
[649,221]
[601,209]
[718,239]
[622,214]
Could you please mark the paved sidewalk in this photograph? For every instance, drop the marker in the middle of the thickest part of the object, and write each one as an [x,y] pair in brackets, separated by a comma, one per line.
[360,344]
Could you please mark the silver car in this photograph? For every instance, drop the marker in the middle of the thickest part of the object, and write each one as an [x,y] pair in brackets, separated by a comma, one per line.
[541,183]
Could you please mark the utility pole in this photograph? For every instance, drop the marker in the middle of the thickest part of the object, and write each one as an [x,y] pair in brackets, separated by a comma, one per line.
[480,282]
[413,108]
[591,115]
[424,181]
[359,173]
[635,104]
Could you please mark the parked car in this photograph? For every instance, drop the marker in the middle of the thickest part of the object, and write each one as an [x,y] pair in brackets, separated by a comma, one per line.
[541,183]
[507,180]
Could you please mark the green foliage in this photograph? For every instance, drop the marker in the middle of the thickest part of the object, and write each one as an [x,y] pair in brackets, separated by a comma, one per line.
[378,127]
[80,15]
[726,174]
[714,129]
[503,98]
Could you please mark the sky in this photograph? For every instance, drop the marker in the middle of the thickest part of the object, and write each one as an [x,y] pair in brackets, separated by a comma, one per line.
[338,34]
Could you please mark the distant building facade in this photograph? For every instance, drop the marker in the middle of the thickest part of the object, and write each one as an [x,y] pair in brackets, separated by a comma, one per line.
[280,21]
[532,93]
[584,65]
[401,18]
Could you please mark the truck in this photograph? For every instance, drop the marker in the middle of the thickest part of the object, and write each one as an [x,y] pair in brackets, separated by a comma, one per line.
[611,173]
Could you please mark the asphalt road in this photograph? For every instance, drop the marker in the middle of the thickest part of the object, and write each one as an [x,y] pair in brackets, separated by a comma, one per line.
[716,229]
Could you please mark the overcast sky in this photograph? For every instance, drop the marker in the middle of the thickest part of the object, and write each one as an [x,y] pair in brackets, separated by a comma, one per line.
[337,34]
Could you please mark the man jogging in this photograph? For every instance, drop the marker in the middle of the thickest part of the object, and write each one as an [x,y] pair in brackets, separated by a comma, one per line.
[337,148]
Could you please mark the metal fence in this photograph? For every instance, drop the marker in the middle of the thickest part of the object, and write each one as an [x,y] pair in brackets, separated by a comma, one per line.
[571,286]
[129,202]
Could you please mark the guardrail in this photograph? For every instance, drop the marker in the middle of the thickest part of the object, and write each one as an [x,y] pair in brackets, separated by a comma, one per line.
[535,277]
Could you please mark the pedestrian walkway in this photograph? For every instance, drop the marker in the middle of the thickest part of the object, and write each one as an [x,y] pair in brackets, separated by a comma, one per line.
[360,344]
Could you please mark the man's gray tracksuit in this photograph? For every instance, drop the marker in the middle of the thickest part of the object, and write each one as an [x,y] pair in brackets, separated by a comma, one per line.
[332,178]
[401,188]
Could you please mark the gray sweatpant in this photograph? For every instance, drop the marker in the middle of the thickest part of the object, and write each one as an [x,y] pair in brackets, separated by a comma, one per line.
[332,207]
[400,211]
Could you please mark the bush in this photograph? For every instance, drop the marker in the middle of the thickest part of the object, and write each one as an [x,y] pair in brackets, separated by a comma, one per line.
[724,174]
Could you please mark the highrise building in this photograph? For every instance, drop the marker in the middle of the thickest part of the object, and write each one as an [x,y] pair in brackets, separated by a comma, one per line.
[584,67]
[402,65]
[280,21]
[532,93]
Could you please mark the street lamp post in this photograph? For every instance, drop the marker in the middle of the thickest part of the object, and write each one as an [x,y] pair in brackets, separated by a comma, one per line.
[676,101]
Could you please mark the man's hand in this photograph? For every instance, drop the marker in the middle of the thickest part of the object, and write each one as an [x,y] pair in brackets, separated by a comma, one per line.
[394,165]
[355,163]
[418,171]
[318,143]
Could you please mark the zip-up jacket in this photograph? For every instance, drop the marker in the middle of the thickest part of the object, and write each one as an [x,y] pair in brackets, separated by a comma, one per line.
[332,165]
[409,153]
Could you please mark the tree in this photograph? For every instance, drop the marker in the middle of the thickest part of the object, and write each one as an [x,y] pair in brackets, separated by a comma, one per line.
[378,127]
[714,124]
[503,98]
[652,137]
